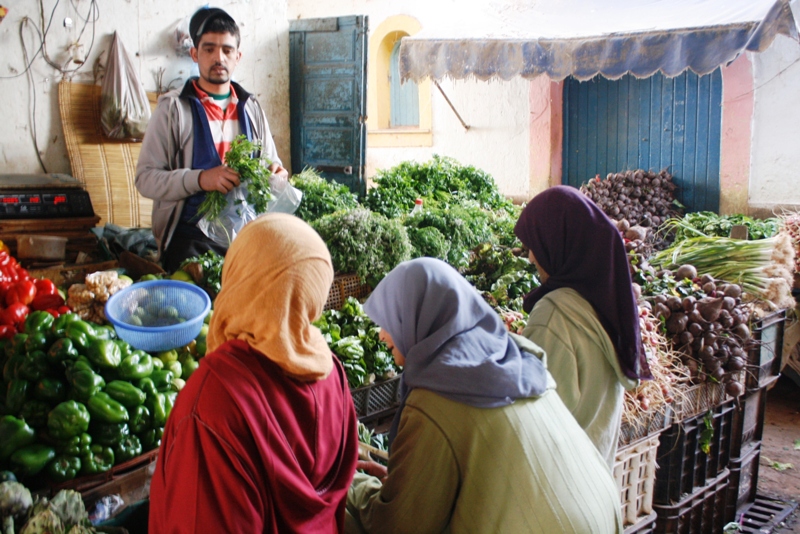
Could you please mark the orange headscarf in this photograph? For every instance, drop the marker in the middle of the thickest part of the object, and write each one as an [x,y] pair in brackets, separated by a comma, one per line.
[275,282]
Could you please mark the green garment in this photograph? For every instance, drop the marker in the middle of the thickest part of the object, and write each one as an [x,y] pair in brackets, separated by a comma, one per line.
[582,359]
[526,467]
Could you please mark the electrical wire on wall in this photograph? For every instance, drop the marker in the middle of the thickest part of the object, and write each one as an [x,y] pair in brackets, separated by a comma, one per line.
[91,17]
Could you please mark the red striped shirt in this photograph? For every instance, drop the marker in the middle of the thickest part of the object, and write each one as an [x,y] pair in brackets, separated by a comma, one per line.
[224,124]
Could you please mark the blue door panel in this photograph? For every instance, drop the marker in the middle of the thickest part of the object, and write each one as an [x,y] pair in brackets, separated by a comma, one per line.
[327,91]
[651,123]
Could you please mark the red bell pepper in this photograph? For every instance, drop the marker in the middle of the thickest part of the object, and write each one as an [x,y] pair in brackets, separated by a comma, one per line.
[15,315]
[22,292]
[45,287]
[45,302]
[7,331]
[64,309]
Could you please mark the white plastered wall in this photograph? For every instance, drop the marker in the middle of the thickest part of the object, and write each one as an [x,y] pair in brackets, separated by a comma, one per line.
[146,29]
[497,112]
[775,153]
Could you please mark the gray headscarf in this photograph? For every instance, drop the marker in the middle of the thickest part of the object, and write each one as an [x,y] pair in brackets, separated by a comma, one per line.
[454,343]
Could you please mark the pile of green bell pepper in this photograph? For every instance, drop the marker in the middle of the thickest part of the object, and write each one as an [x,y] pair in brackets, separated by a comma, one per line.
[75,400]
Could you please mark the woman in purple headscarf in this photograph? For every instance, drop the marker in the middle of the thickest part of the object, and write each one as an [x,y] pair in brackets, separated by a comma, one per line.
[584,315]
[481,441]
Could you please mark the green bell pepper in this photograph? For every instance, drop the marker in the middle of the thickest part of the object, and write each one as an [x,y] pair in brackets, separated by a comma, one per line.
[137,365]
[81,333]
[162,379]
[38,341]
[140,419]
[147,385]
[108,434]
[157,404]
[85,383]
[124,348]
[99,460]
[38,321]
[128,448]
[63,467]
[68,419]
[62,350]
[34,367]
[104,353]
[151,439]
[157,364]
[169,400]
[16,395]
[11,367]
[31,459]
[201,347]
[105,331]
[76,445]
[59,326]
[17,345]
[52,390]
[175,368]
[190,365]
[104,409]
[125,393]
[14,434]
[35,413]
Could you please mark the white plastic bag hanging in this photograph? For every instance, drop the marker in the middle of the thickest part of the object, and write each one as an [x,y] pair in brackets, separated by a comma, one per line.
[124,108]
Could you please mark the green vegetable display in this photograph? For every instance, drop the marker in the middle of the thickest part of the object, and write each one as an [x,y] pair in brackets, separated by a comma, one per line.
[709,224]
[321,196]
[365,243]
[67,420]
[14,434]
[441,180]
[353,337]
[502,277]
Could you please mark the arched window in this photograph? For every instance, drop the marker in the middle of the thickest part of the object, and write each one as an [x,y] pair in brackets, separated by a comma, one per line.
[404,96]
[398,114]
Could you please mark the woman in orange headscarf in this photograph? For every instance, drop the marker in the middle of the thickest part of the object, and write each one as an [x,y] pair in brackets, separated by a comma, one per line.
[263,437]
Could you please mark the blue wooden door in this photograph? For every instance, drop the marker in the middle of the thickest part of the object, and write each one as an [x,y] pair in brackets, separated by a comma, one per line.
[327,94]
[652,124]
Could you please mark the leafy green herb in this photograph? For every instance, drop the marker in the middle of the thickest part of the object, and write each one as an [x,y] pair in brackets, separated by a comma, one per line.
[211,263]
[465,228]
[502,277]
[441,181]
[365,243]
[321,196]
[778,466]
[709,224]
[354,338]
[428,241]
[253,172]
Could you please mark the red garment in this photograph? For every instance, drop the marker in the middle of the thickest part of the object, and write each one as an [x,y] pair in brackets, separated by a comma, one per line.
[247,449]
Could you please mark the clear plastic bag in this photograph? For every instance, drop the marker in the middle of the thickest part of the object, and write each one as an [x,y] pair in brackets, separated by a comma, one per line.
[124,108]
[286,199]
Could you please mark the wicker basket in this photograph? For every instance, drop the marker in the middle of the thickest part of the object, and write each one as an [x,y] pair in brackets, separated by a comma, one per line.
[106,167]
[635,473]
[345,285]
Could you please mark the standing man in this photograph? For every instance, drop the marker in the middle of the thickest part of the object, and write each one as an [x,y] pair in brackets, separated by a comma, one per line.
[184,147]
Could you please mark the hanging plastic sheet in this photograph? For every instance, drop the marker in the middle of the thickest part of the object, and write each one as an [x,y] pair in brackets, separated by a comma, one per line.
[584,38]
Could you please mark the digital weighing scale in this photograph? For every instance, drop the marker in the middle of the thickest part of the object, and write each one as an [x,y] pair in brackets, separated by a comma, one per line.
[43,196]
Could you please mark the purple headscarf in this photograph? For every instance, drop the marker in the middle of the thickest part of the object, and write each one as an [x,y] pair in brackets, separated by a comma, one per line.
[454,343]
[580,248]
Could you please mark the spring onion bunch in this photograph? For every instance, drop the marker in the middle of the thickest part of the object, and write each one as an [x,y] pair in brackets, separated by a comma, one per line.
[762,268]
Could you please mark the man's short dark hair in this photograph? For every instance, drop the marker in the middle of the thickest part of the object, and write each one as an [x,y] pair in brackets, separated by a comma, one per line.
[212,20]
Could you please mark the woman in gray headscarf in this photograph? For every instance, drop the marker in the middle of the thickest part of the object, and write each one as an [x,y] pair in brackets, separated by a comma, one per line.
[481,441]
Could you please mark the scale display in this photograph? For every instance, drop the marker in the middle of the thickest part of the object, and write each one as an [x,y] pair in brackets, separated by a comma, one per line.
[44,204]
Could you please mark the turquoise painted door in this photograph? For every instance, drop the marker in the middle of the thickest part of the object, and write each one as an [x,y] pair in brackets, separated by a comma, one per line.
[327,93]
[651,123]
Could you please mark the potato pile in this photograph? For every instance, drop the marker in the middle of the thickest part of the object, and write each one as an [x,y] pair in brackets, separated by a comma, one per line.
[642,197]
[708,327]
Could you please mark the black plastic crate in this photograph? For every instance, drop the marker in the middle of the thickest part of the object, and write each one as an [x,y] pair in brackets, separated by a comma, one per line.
[376,399]
[748,421]
[645,525]
[683,465]
[703,511]
[743,483]
[766,349]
